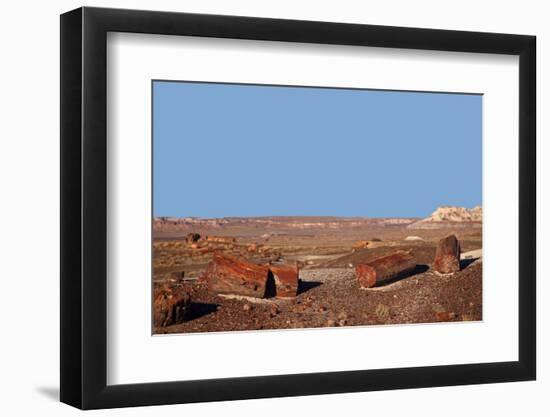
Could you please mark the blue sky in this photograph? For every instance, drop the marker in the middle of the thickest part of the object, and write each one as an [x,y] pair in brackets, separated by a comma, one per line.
[223,150]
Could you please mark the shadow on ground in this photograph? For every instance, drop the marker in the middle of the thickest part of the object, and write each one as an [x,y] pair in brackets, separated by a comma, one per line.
[49,392]
[465,263]
[201,309]
[304,286]
[420,269]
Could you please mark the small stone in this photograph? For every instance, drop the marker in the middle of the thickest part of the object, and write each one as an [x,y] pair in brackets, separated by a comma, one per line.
[331,323]
[382,311]
[247,307]
[274,311]
[438,308]
[445,316]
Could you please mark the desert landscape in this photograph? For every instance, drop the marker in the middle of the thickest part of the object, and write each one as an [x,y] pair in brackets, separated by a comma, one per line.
[255,273]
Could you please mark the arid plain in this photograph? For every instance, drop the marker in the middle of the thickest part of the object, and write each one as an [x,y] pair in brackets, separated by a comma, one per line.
[325,253]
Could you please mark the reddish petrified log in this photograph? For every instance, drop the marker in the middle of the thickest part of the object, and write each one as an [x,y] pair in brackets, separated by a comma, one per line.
[232,275]
[221,239]
[386,268]
[171,305]
[286,280]
[447,255]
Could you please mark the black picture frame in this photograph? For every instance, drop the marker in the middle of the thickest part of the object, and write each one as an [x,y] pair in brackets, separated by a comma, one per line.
[84,207]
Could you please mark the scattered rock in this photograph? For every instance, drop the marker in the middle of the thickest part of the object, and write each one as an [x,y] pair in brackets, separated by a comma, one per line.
[274,310]
[247,307]
[382,311]
[445,316]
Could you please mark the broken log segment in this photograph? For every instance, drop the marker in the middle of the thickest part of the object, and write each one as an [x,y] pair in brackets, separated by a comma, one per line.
[447,255]
[171,305]
[286,280]
[231,275]
[393,266]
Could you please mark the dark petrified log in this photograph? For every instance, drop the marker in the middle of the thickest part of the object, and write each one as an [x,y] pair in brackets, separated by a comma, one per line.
[393,266]
[192,237]
[177,276]
[286,280]
[171,305]
[232,275]
[447,255]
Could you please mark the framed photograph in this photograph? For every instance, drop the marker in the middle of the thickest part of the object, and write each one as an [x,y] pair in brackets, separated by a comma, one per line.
[257,208]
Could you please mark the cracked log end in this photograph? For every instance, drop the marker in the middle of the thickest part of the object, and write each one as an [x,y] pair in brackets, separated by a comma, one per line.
[286,280]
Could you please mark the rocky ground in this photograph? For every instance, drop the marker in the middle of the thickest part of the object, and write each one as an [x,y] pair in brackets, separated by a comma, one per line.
[329,294]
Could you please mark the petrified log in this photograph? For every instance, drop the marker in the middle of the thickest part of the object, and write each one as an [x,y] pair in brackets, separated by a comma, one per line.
[286,280]
[193,237]
[385,268]
[221,239]
[447,255]
[232,275]
[171,305]
[361,244]
[177,276]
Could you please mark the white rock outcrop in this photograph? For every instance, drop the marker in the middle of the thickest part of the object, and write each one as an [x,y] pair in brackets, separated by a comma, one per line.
[449,216]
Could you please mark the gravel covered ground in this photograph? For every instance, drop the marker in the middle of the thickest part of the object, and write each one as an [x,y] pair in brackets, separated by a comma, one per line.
[330,296]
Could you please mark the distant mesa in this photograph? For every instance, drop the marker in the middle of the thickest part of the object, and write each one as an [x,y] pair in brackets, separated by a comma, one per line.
[450,216]
[442,217]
